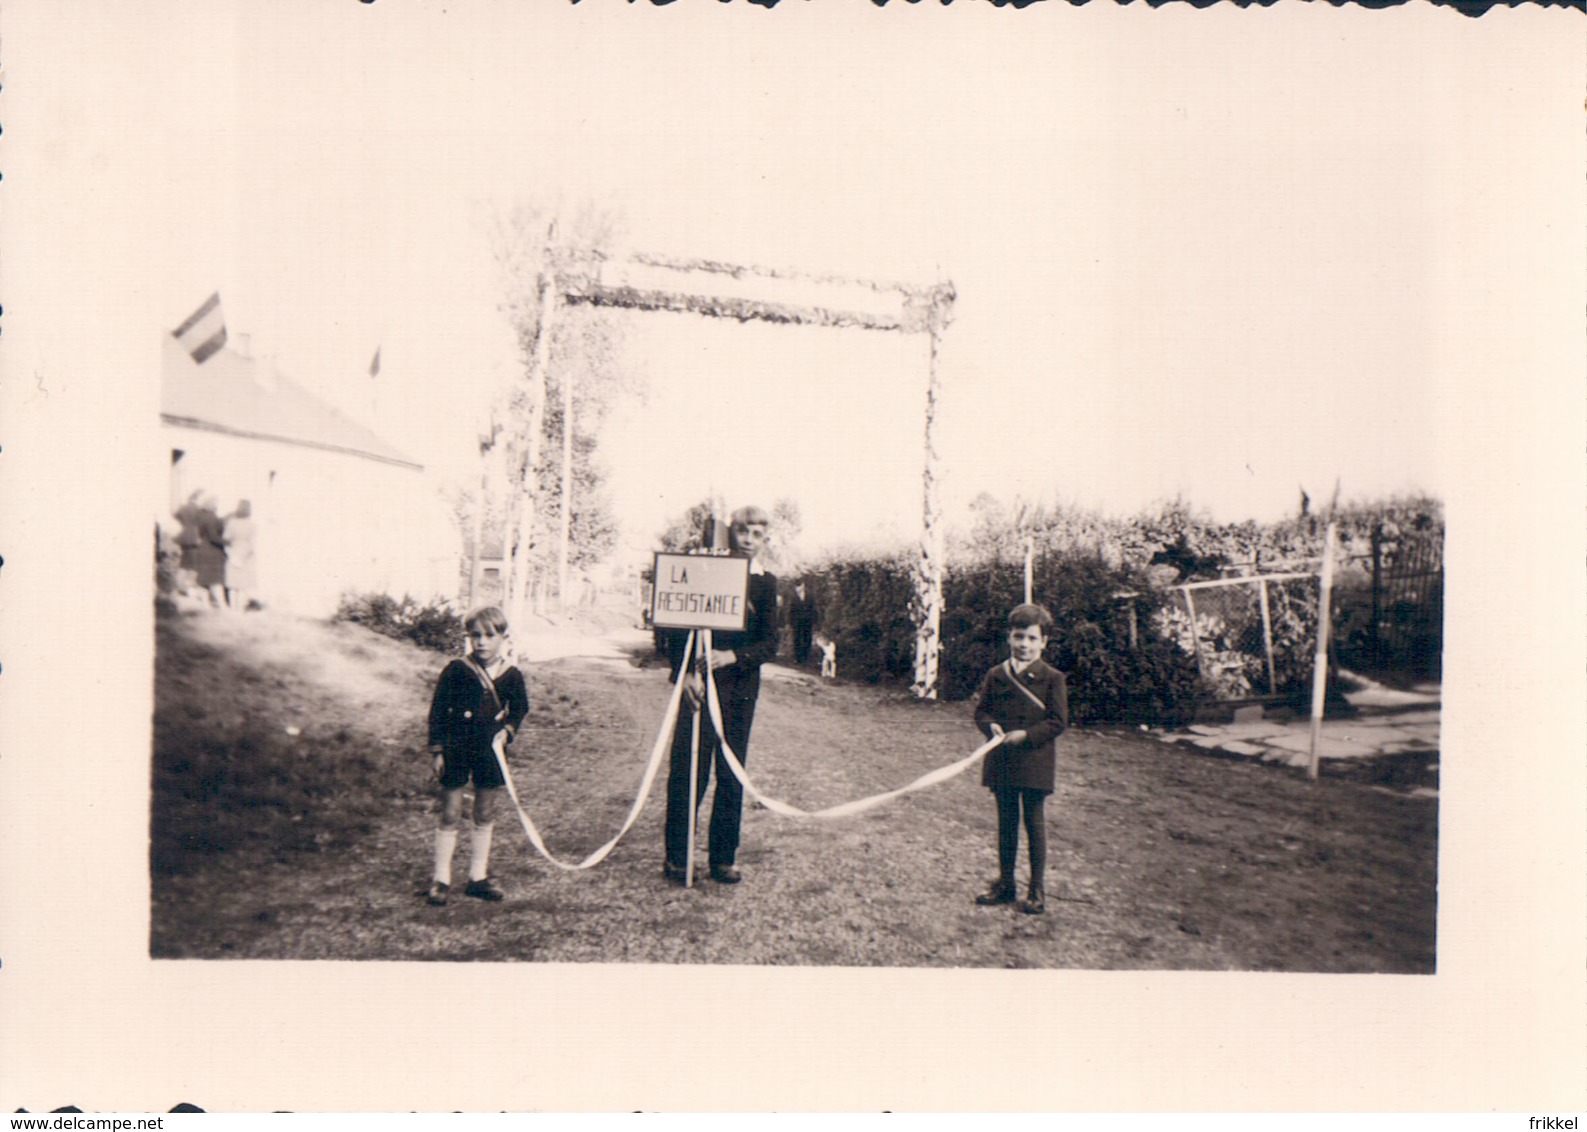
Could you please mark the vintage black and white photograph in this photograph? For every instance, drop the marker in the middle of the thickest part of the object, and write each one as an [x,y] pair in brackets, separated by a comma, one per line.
[630,495]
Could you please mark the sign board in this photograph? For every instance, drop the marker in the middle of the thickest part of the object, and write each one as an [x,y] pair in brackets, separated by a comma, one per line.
[700,591]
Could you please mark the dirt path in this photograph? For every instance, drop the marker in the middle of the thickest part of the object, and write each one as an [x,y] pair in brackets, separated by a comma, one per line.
[318,845]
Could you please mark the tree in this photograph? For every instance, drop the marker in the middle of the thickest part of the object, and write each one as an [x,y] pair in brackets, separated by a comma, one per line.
[782,553]
[683,532]
[573,375]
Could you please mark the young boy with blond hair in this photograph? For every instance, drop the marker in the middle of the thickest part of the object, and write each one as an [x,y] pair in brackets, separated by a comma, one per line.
[480,699]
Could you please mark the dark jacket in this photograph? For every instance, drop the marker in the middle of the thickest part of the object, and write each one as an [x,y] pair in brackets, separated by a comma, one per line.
[462,714]
[1033,764]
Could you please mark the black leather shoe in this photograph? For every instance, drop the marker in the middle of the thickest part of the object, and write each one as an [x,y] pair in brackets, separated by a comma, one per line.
[726,874]
[677,874]
[486,889]
[1034,904]
[437,893]
[1000,892]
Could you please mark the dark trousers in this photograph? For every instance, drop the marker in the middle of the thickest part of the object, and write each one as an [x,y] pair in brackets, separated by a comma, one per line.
[804,632]
[738,692]
[1009,799]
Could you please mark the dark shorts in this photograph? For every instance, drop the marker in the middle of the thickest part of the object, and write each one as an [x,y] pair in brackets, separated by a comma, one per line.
[458,767]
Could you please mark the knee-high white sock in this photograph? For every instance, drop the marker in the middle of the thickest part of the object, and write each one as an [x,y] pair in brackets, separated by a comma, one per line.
[445,843]
[479,851]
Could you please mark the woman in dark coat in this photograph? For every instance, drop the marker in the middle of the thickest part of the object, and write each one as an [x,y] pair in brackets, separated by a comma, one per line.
[209,556]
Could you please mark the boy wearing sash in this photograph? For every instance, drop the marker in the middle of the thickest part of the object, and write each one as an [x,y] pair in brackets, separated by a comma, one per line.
[480,700]
[1025,700]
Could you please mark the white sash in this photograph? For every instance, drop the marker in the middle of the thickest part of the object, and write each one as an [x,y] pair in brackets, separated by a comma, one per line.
[1008,668]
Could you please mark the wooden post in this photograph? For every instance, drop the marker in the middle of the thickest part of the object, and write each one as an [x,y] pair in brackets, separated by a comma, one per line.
[549,298]
[1267,642]
[487,454]
[702,644]
[1377,594]
[1030,555]
[477,536]
[567,489]
[928,577]
[1319,680]
[1195,633]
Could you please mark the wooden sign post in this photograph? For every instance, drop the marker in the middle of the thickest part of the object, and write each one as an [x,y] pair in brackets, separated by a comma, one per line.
[1319,680]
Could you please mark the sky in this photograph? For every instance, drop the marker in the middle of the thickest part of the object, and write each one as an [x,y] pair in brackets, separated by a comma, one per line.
[1223,284]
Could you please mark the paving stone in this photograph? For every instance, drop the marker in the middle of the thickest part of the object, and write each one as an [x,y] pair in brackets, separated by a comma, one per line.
[1236,747]
[1326,747]
[1408,747]
[1365,723]
[1415,717]
[1355,733]
[1427,738]
[1257,729]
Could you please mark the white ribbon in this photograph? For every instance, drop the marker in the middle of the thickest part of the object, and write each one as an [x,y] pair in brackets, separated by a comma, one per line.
[662,743]
[1008,667]
[844,809]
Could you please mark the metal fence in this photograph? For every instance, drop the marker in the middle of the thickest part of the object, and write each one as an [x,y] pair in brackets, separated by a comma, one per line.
[1392,623]
[1255,637]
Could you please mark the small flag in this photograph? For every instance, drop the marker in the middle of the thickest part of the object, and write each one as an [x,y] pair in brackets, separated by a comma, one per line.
[204,332]
[374,364]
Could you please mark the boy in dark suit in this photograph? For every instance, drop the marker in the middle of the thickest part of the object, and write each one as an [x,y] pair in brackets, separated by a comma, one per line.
[735,665]
[1025,700]
[480,701]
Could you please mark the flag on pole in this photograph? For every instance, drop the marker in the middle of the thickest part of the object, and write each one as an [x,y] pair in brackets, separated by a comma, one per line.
[204,332]
[374,364]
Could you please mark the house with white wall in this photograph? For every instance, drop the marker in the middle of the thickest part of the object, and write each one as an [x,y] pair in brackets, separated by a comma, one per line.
[336,508]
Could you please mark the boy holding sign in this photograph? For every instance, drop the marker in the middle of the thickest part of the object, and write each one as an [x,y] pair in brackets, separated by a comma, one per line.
[736,658]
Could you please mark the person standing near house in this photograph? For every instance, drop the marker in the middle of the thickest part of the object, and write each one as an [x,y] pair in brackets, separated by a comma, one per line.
[736,659]
[187,543]
[209,556]
[242,575]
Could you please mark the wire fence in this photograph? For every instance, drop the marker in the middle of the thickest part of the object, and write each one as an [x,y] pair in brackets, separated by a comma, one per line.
[1250,636]
[1254,637]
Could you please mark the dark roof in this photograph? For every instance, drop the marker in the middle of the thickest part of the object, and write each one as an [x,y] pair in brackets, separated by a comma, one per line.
[242,396]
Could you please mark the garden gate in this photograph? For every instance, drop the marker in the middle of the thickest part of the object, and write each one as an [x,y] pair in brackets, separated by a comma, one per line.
[722,290]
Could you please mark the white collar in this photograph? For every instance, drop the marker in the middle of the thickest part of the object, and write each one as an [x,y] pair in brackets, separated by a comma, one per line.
[496,667]
[755,567]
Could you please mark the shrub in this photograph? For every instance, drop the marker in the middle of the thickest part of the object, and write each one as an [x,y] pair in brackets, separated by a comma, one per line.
[434,626]
[1109,682]
[1090,572]
[866,602]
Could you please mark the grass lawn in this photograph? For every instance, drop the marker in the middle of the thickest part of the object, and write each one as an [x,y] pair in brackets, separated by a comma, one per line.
[293,818]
